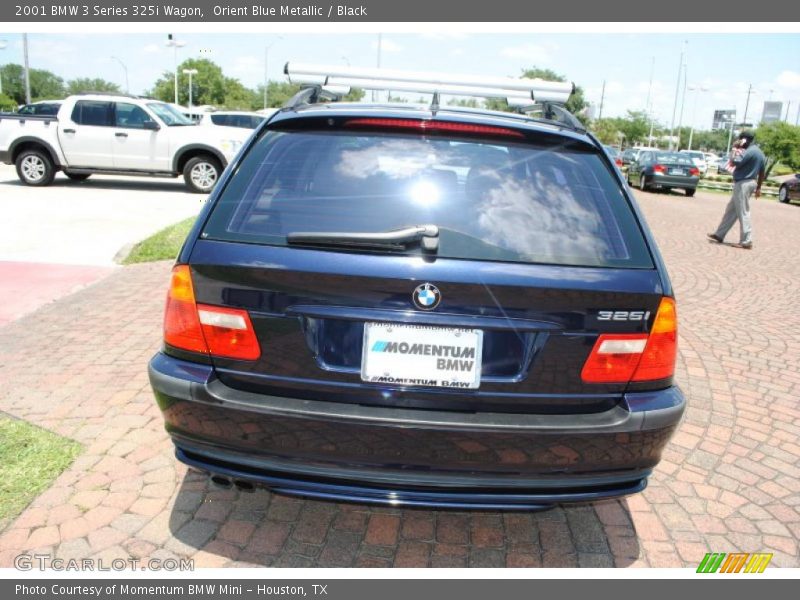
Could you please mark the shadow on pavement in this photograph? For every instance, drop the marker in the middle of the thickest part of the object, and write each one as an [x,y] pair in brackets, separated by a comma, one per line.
[228,527]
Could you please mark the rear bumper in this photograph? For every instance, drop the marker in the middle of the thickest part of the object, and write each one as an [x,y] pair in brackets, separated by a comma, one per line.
[674,182]
[407,456]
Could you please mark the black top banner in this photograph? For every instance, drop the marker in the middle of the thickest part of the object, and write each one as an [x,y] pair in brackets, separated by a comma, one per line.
[196,11]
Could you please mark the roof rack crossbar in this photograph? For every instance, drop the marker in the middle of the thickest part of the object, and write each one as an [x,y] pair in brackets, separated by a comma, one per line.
[423,82]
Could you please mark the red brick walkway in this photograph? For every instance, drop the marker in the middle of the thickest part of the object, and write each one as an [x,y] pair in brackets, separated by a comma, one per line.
[730,481]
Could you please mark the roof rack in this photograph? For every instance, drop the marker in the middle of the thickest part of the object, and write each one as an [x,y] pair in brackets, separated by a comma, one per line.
[526,96]
[516,90]
[116,94]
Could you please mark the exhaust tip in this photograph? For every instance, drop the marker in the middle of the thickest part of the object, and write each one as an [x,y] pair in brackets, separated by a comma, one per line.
[244,486]
[221,481]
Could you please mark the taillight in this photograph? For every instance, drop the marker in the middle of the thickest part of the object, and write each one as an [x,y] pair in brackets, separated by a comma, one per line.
[181,324]
[694,172]
[618,162]
[229,332]
[215,330]
[433,126]
[622,358]
[659,169]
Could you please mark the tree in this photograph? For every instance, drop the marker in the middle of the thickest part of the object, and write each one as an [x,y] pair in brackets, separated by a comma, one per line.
[44,84]
[607,131]
[87,84]
[280,92]
[576,103]
[209,86]
[780,142]
[635,127]
[7,104]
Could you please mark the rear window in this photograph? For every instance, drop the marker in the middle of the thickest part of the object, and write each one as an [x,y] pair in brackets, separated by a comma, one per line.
[92,112]
[504,201]
[675,158]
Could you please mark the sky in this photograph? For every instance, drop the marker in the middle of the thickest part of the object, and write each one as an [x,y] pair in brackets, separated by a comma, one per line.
[719,66]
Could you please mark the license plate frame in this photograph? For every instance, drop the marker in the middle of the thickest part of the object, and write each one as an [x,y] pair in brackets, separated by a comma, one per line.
[384,361]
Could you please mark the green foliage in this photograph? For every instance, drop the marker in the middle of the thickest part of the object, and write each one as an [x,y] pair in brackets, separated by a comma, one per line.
[30,460]
[209,86]
[465,102]
[44,84]
[163,245]
[7,104]
[607,131]
[780,142]
[87,84]
[576,103]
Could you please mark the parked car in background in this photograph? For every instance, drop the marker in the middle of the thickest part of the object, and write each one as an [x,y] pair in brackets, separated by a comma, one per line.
[614,154]
[117,134]
[790,189]
[658,169]
[711,159]
[45,108]
[227,118]
[352,319]
[698,158]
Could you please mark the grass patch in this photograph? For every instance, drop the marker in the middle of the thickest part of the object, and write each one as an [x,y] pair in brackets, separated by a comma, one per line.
[163,245]
[30,460]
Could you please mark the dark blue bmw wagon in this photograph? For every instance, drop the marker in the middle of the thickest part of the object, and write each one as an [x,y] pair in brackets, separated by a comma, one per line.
[422,306]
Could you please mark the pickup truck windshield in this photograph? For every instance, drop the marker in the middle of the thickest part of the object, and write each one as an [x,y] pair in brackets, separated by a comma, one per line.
[171,116]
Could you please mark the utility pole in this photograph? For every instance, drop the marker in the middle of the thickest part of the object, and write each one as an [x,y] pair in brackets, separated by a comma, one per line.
[175,44]
[27,68]
[788,105]
[730,133]
[683,103]
[648,107]
[124,68]
[266,58]
[3,45]
[602,100]
[697,90]
[747,104]
[378,64]
[677,93]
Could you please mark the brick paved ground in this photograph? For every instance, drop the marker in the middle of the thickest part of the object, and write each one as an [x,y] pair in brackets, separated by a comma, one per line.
[729,481]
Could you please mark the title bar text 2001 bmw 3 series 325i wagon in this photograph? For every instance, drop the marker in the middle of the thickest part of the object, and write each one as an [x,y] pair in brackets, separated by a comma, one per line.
[423,306]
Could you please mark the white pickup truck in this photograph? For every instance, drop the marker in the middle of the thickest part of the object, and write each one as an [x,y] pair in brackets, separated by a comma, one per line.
[117,134]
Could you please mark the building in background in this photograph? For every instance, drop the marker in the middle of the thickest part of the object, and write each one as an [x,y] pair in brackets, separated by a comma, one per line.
[723,119]
[773,111]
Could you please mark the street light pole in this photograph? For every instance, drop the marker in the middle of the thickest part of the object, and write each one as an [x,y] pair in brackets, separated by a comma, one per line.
[27,68]
[696,89]
[175,44]
[124,68]
[730,133]
[747,104]
[266,61]
[683,104]
[677,93]
[647,106]
[3,45]
[190,72]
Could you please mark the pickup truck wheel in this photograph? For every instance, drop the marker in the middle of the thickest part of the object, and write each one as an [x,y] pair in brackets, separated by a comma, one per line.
[201,174]
[78,176]
[34,167]
[783,194]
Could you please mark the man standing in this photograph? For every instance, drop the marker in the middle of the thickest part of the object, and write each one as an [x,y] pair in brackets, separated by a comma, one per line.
[748,175]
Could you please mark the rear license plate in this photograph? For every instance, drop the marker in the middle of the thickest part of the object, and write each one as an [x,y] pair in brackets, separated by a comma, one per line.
[677,172]
[421,355]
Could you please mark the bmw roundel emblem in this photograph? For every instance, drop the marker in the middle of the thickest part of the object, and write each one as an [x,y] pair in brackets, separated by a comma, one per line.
[426,296]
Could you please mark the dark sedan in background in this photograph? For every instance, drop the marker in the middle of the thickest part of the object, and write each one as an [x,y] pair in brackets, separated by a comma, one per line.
[790,189]
[665,171]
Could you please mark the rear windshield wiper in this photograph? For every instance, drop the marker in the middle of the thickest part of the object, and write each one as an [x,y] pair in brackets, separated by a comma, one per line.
[397,239]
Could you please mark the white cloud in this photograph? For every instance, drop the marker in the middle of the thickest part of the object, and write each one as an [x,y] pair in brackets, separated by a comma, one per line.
[388,45]
[531,53]
[789,79]
[151,49]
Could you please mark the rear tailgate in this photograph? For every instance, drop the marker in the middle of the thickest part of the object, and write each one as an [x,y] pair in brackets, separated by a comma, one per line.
[539,252]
